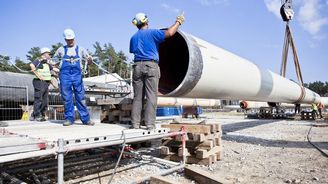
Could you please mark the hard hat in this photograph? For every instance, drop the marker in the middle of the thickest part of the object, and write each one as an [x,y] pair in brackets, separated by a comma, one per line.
[69,34]
[140,19]
[44,50]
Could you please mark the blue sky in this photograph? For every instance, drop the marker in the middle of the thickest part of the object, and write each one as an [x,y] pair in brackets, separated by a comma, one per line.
[252,29]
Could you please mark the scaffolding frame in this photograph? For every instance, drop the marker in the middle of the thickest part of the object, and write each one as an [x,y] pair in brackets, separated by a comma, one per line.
[62,146]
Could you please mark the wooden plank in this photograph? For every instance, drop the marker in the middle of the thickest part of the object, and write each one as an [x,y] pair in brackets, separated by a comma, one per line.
[161,180]
[109,101]
[165,150]
[202,153]
[205,129]
[206,145]
[203,137]
[202,176]
[219,155]
[190,144]
[126,107]
[218,141]
[180,152]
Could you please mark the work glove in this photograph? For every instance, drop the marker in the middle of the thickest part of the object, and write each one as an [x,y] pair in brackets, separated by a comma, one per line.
[180,19]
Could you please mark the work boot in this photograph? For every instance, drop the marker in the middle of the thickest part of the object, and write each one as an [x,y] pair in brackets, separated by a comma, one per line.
[151,127]
[135,126]
[3,124]
[67,123]
[39,118]
[91,123]
[43,118]
[32,118]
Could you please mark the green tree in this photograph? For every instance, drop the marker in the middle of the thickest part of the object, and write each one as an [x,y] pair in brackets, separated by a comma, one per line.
[5,65]
[33,54]
[55,47]
[318,87]
[22,65]
[110,60]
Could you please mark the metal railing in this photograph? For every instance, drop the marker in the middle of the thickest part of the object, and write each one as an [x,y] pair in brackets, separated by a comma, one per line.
[14,102]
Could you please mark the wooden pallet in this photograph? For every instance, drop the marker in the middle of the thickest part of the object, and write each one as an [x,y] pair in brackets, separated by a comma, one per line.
[203,143]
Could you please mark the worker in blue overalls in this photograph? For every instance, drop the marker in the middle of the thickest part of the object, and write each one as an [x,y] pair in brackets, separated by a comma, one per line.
[70,77]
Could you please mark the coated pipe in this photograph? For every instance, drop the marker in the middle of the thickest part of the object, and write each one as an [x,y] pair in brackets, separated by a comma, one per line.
[253,105]
[171,101]
[191,67]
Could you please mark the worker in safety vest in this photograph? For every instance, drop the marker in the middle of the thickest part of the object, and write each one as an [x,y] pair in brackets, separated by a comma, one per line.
[320,107]
[70,77]
[41,70]
[314,109]
[144,44]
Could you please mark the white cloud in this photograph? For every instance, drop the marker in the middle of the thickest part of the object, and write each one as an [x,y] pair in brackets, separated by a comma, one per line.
[212,2]
[170,8]
[274,7]
[310,18]
[307,14]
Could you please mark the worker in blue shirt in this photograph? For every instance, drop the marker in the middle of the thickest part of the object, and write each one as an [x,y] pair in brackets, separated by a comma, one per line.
[144,44]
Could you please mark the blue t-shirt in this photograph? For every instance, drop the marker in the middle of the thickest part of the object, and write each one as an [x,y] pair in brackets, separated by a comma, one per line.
[144,44]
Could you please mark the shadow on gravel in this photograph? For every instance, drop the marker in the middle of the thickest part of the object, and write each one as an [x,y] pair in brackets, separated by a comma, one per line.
[273,143]
[226,128]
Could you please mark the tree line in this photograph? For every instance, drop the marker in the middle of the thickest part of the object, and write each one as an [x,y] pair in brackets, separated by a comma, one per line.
[108,59]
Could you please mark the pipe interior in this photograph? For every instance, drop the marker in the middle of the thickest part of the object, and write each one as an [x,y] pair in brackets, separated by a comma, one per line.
[174,61]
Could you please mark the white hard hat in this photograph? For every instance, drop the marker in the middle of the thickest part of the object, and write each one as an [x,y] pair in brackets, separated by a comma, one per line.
[69,34]
[140,19]
[44,50]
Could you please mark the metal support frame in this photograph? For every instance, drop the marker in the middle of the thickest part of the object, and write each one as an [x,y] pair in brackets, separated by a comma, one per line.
[65,146]
[60,157]
[184,134]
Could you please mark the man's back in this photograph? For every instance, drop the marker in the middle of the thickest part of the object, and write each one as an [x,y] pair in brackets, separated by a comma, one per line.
[144,44]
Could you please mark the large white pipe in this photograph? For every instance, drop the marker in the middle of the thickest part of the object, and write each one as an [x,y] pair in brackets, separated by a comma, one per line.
[172,101]
[191,67]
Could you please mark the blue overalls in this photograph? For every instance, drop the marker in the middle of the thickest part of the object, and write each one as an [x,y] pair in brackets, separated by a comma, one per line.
[71,81]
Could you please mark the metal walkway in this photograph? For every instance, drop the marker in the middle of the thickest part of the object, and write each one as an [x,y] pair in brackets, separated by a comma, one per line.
[24,139]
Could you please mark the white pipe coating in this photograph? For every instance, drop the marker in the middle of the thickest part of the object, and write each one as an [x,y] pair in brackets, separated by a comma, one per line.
[191,67]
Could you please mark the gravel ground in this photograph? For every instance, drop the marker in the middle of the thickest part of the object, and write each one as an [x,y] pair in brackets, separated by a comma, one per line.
[272,151]
[254,151]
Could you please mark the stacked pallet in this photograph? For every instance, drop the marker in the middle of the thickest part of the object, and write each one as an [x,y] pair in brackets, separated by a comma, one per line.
[203,143]
[116,114]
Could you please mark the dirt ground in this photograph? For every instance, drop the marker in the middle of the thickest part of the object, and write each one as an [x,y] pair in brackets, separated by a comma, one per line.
[272,151]
[255,151]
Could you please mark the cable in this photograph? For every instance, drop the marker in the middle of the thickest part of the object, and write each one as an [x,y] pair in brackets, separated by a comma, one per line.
[119,158]
[315,146]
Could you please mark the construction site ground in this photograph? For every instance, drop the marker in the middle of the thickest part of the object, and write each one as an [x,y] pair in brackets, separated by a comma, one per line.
[254,151]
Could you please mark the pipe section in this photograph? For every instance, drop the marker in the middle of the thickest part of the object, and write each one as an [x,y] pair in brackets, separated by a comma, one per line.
[256,105]
[171,101]
[191,67]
